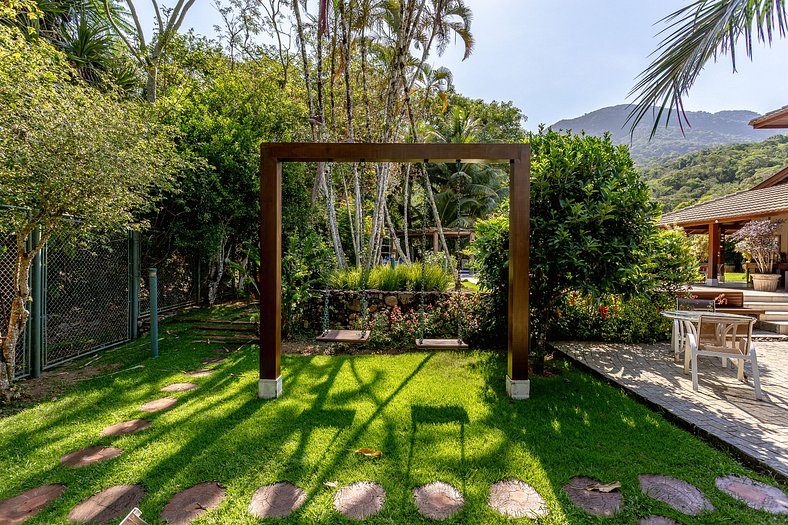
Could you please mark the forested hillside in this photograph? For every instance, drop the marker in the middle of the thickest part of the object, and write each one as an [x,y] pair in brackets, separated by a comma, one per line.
[705,130]
[715,171]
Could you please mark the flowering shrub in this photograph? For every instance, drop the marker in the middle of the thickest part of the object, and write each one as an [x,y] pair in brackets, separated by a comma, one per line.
[757,241]
[613,319]
[400,327]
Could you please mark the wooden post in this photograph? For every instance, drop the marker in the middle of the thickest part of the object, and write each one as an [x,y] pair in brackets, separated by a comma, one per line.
[517,383]
[270,383]
[714,254]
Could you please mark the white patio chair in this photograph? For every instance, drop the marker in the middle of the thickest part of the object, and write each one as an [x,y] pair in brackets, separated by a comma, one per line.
[688,304]
[730,344]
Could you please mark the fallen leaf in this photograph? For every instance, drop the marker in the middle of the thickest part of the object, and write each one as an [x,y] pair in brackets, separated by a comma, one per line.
[331,484]
[603,487]
[370,453]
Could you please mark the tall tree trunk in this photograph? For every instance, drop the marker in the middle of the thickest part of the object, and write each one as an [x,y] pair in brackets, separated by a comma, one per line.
[393,233]
[350,223]
[216,267]
[152,71]
[406,209]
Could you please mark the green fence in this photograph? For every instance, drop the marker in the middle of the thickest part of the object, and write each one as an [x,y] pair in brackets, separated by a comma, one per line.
[87,298]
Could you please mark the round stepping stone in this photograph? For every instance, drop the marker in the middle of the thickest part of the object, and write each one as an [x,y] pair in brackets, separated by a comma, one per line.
[157,405]
[592,501]
[89,455]
[192,503]
[438,500]
[201,372]
[657,520]
[755,494]
[516,499]
[276,501]
[110,504]
[126,427]
[29,503]
[359,500]
[213,360]
[675,492]
[178,387]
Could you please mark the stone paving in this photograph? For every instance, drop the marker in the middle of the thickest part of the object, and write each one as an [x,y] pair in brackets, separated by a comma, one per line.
[722,407]
[89,455]
[677,493]
[359,500]
[178,387]
[158,405]
[24,506]
[276,501]
[438,500]
[594,502]
[192,503]
[126,427]
[110,504]
[515,498]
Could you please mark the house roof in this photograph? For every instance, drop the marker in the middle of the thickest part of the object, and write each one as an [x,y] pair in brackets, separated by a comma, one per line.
[776,119]
[740,206]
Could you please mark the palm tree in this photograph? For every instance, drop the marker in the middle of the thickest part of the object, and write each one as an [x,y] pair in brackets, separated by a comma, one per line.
[694,35]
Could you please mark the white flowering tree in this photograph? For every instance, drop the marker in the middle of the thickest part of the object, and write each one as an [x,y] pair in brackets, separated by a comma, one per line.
[757,242]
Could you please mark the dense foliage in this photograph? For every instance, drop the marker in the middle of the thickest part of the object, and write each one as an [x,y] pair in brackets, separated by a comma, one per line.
[592,231]
[715,171]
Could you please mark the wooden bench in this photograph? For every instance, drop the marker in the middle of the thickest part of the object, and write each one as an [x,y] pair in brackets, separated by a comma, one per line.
[727,302]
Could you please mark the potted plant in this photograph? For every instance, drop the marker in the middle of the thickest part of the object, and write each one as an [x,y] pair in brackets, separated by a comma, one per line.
[757,242]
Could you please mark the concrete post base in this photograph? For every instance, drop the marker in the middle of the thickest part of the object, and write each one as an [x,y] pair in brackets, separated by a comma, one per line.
[518,388]
[712,282]
[269,388]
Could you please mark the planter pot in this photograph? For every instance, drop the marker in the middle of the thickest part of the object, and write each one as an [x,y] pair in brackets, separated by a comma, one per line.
[765,282]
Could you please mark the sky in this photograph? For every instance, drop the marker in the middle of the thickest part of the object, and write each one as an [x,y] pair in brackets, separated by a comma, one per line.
[562,59]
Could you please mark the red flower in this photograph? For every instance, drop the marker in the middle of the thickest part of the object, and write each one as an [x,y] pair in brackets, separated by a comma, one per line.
[603,310]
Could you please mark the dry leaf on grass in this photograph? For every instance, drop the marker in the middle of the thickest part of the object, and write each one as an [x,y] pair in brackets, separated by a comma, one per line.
[603,487]
[370,453]
[331,484]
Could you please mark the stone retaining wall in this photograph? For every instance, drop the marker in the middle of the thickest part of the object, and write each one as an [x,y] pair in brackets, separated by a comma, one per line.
[345,306]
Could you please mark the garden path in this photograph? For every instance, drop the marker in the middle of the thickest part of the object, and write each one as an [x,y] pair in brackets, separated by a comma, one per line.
[723,409]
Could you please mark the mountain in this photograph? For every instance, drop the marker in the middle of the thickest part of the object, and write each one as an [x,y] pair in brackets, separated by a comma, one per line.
[707,129]
[715,171]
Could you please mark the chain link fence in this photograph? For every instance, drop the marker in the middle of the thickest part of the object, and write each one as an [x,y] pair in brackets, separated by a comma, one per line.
[7,271]
[91,295]
[86,298]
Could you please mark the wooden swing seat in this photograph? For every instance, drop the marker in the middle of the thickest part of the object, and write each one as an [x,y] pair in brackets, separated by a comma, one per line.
[344,336]
[441,344]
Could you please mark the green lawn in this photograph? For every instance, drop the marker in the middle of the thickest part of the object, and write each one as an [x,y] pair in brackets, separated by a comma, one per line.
[435,416]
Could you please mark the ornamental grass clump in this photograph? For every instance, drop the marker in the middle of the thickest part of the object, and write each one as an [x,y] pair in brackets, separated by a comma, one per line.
[757,242]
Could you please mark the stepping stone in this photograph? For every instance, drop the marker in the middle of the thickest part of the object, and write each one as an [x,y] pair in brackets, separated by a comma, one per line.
[517,499]
[213,360]
[276,501]
[592,501]
[192,503]
[24,506]
[178,387]
[126,427]
[657,520]
[89,455]
[359,500]
[755,494]
[200,372]
[438,500]
[157,405]
[110,504]
[675,492]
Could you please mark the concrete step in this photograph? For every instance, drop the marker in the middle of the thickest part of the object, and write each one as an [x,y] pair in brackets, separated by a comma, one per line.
[767,306]
[772,315]
[765,297]
[778,327]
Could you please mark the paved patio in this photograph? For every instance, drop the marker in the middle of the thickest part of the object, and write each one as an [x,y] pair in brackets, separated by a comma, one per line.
[723,408]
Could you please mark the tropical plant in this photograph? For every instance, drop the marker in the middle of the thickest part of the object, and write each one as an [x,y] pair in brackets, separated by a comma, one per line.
[695,34]
[68,150]
[399,278]
[757,242]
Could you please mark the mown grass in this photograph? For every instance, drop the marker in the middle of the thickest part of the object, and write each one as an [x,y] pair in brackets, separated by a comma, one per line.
[435,416]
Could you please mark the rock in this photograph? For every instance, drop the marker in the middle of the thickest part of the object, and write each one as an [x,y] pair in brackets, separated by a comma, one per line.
[391,300]
[406,298]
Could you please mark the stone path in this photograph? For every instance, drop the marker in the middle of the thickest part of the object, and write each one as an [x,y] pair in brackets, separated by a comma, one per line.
[359,500]
[517,499]
[657,520]
[276,501]
[89,455]
[29,503]
[677,493]
[200,372]
[438,500]
[723,407]
[110,504]
[193,503]
[755,494]
[125,427]
[592,501]
[158,405]
[178,387]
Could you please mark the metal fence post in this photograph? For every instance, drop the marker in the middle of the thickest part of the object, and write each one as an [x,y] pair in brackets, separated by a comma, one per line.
[36,310]
[134,284]
[154,313]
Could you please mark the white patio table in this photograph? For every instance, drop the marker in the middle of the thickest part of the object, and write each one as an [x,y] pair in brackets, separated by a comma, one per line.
[718,318]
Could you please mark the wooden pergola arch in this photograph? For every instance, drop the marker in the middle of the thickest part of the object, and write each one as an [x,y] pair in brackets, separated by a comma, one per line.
[272,155]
